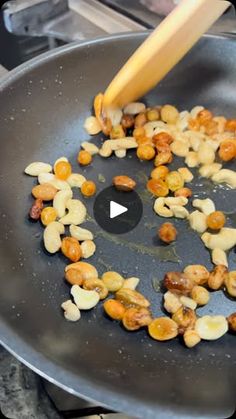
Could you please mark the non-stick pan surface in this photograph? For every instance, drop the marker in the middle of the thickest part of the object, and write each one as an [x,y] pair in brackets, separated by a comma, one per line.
[43,106]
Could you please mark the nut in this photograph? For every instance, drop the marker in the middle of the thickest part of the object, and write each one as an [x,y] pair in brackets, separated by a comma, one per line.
[120,154]
[179,148]
[37,167]
[70,248]
[232,322]
[195,111]
[163,328]
[96,285]
[211,327]
[92,125]
[219,257]
[176,201]
[86,270]
[188,302]
[185,318]
[134,108]
[178,282]
[136,317]
[123,183]
[74,277]
[90,147]
[230,282]
[171,302]
[113,281]
[191,338]
[76,180]
[205,154]
[36,209]
[88,248]
[45,177]
[71,311]
[224,240]
[200,295]
[161,210]
[207,206]
[85,300]
[225,176]
[130,297]
[114,309]
[60,200]
[179,211]
[197,221]
[51,236]
[131,283]
[76,212]
[191,159]
[197,273]
[80,233]
[115,115]
[46,192]
[169,114]
[208,170]
[183,192]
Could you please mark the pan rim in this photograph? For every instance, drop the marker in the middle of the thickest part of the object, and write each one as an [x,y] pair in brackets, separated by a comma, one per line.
[29,356]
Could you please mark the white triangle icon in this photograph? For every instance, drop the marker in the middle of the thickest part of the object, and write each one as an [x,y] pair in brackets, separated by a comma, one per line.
[116,209]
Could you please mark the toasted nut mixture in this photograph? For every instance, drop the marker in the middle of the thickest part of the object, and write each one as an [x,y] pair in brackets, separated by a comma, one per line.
[113,281]
[197,273]
[230,283]
[159,172]
[232,322]
[191,338]
[96,285]
[200,295]
[167,232]
[114,309]
[130,297]
[74,277]
[178,282]
[36,209]
[185,192]
[71,311]
[123,183]
[88,188]
[63,170]
[46,192]
[136,317]
[188,302]
[84,299]
[211,327]
[80,233]
[34,169]
[92,125]
[70,248]
[88,248]
[157,187]
[171,302]
[163,328]
[85,269]
[185,318]
[84,158]
[51,236]
[48,215]
[216,220]
[131,283]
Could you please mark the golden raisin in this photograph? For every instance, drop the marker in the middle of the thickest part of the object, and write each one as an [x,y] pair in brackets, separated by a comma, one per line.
[178,282]
[167,232]
[157,187]
[165,157]
[160,172]
[114,309]
[227,150]
[63,170]
[84,158]
[48,215]
[117,132]
[163,328]
[153,114]
[230,125]
[74,277]
[185,192]
[70,248]
[216,220]
[136,317]
[127,121]
[140,120]
[145,152]
[88,188]
[174,181]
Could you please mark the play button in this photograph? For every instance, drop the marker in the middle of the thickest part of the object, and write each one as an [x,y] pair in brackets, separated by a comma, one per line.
[116,211]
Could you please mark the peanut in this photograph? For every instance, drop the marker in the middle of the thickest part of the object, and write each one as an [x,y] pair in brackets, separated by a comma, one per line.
[96,285]
[114,309]
[130,297]
[197,273]
[230,282]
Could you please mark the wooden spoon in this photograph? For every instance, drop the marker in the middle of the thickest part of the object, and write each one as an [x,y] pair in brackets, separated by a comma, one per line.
[164,48]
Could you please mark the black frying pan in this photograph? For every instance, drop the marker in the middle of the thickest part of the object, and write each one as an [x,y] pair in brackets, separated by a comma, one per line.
[43,106]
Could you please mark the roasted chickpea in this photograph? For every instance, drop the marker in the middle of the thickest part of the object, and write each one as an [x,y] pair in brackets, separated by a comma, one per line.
[48,215]
[157,187]
[88,188]
[230,125]
[136,317]
[178,282]
[140,120]
[74,277]
[197,273]
[114,309]
[163,328]
[63,170]
[204,116]
[117,132]
[127,121]
[215,220]
[185,192]
[159,172]
[194,124]
[230,283]
[95,284]
[153,114]
[84,158]
[217,277]
[167,232]
[200,295]
[70,248]
[169,114]
[174,181]
[162,137]
[145,152]
[227,150]
[165,157]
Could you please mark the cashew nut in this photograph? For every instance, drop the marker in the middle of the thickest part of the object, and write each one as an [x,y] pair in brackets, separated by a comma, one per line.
[184,117]
[186,174]
[120,153]
[51,236]
[85,269]
[92,126]
[224,240]
[76,212]
[80,233]
[195,142]
[51,178]
[179,148]
[71,311]
[171,302]
[180,200]
[90,147]
[131,283]
[134,108]
[192,159]
[88,248]
[115,115]
[195,111]
[208,170]
[60,200]
[219,257]
[197,221]
[205,154]
[225,176]
[37,167]
[211,327]
[150,127]
[179,211]
[76,180]
[161,210]
[58,160]
[84,299]
[105,150]
[213,144]
[207,206]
